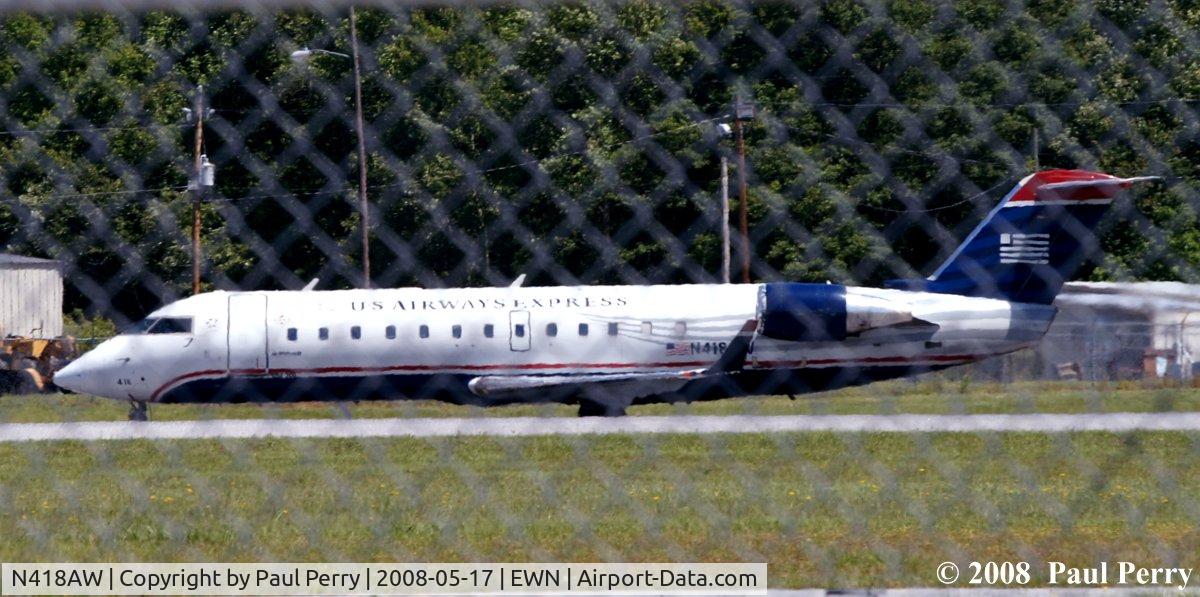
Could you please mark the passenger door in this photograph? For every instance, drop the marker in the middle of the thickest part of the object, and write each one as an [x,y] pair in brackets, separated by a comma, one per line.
[518,331]
[247,336]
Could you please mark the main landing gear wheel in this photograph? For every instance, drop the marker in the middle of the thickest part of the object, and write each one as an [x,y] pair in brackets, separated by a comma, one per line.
[138,411]
[591,408]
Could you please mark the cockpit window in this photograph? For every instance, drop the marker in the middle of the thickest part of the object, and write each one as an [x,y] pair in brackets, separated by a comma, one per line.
[161,325]
[141,326]
[172,325]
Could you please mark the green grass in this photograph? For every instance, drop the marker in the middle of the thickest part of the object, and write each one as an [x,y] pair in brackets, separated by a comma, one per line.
[930,395]
[825,510]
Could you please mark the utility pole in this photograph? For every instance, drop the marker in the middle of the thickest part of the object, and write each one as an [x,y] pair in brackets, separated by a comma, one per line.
[363,205]
[742,111]
[198,188]
[1036,161]
[724,220]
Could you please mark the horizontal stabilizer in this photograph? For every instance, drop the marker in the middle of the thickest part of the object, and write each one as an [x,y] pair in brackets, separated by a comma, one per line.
[1083,190]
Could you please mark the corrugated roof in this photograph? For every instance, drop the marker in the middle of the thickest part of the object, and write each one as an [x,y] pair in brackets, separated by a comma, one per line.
[1151,299]
[10,259]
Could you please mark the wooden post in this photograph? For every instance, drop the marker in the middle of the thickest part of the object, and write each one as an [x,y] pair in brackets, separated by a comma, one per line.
[1037,165]
[197,189]
[724,220]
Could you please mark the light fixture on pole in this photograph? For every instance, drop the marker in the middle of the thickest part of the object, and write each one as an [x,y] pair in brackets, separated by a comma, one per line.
[302,57]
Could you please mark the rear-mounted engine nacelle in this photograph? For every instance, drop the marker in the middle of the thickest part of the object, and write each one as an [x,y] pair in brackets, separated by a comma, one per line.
[797,312]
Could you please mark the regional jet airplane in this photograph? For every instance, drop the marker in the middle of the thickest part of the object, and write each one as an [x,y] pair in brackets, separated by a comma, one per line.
[608,347]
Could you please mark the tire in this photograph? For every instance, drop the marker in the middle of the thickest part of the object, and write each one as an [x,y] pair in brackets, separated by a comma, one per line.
[591,408]
[32,382]
[10,381]
[139,412]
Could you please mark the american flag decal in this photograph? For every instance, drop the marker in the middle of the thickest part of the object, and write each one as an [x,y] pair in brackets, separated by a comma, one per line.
[1025,248]
[678,349]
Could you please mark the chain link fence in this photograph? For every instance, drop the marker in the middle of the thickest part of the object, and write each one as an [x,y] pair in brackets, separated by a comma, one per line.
[582,143]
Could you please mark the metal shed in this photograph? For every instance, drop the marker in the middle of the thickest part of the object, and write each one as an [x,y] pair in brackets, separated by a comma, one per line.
[1112,331]
[31,295]
[1120,330]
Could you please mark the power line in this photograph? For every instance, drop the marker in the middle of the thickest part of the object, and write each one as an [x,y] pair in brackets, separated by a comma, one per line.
[982,193]
[536,161]
[324,191]
[916,105]
[92,129]
[122,192]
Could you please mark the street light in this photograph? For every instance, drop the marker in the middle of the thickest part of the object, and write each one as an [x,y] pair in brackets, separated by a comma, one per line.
[742,111]
[725,131]
[302,57]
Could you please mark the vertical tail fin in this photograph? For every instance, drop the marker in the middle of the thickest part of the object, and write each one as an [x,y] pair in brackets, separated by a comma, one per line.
[1032,242]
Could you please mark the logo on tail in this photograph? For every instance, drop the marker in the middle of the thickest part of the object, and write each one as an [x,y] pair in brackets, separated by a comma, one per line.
[1032,242]
[1024,248]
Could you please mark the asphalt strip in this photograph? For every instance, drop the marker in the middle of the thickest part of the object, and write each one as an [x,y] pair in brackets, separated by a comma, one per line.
[534,426]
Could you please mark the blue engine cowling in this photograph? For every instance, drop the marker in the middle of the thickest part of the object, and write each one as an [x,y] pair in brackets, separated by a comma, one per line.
[797,312]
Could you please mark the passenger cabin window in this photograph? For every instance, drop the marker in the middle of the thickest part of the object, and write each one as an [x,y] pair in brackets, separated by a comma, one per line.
[489,330]
[680,328]
[424,332]
[551,329]
[323,334]
[583,330]
[612,329]
[390,332]
[647,328]
[456,331]
[519,330]
[172,325]
[292,334]
[356,332]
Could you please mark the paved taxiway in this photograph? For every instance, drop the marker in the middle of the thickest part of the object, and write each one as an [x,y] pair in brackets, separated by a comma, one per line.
[532,426]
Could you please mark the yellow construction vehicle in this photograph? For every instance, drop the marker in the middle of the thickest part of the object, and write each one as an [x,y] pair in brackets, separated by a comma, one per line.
[27,365]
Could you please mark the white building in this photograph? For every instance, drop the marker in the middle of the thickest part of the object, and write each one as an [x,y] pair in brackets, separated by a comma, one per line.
[31,297]
[1118,330]
[1107,331]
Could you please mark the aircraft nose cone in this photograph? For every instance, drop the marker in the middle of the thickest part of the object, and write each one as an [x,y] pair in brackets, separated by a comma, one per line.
[84,375]
[70,377]
[97,373]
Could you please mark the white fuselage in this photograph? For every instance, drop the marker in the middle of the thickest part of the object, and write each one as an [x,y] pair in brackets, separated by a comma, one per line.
[432,343]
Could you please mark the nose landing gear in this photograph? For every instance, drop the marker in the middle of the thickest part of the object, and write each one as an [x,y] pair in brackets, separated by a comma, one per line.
[138,410]
[596,408]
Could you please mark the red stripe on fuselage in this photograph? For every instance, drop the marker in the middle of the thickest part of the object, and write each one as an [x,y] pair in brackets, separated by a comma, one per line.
[550,367]
[872,360]
[426,368]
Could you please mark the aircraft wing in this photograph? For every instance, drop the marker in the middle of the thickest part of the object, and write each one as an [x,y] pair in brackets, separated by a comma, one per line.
[633,384]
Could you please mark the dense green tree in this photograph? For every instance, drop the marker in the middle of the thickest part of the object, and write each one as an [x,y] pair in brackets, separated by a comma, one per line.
[578,141]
